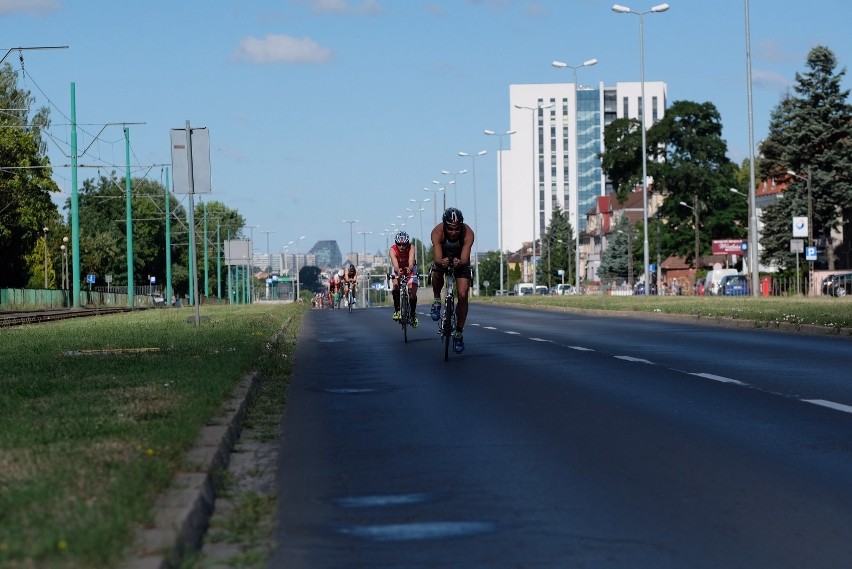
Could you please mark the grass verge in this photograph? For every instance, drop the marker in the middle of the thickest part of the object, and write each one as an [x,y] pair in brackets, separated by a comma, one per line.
[834,314]
[97,413]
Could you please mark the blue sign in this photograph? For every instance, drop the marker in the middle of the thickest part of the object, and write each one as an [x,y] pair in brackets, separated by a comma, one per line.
[810,253]
[90,278]
[652,267]
[743,246]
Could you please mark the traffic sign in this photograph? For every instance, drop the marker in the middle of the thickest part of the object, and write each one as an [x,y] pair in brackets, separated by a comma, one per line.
[90,278]
[810,254]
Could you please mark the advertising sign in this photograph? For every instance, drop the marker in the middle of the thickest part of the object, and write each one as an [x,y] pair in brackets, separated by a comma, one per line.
[800,226]
[728,246]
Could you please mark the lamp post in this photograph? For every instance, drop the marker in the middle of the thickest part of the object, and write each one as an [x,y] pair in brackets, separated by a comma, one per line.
[697,237]
[298,241]
[453,182]
[806,179]
[64,248]
[435,201]
[350,222]
[473,158]
[268,253]
[364,275]
[500,197]
[45,257]
[625,10]
[419,211]
[533,111]
[573,68]
[754,260]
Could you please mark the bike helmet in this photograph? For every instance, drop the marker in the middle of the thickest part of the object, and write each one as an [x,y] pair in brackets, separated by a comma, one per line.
[453,216]
[340,273]
[401,238]
[351,270]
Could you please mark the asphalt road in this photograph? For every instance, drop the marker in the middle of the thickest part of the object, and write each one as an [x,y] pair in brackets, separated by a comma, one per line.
[564,440]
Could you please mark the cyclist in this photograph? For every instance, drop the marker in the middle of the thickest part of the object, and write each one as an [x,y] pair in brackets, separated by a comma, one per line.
[404,268]
[349,280]
[338,288]
[452,240]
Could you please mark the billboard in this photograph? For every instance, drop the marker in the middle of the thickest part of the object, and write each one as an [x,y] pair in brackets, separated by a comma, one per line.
[729,246]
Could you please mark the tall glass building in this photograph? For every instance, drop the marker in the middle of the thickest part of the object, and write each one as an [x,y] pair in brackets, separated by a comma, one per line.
[556,150]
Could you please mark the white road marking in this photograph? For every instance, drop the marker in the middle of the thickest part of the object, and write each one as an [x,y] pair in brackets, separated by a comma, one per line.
[541,340]
[512,332]
[632,359]
[719,378]
[830,405]
[489,327]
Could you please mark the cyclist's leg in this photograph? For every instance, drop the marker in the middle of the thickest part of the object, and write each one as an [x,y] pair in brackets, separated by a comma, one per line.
[412,299]
[462,291]
[437,285]
[395,295]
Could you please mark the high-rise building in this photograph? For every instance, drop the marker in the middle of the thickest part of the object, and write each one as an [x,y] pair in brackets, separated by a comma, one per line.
[327,254]
[547,159]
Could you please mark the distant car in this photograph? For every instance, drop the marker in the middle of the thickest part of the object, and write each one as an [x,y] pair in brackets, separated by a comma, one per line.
[734,285]
[640,288]
[839,284]
[541,289]
[562,289]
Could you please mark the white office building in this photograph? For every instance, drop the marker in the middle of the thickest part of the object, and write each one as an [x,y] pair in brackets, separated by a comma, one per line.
[555,127]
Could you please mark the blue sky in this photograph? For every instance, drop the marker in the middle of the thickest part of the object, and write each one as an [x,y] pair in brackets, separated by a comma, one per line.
[321,111]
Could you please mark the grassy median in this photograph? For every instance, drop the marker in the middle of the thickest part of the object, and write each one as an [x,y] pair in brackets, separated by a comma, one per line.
[96,414]
[835,314]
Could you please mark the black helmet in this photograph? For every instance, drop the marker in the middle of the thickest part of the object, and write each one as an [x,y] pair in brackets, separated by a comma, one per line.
[453,216]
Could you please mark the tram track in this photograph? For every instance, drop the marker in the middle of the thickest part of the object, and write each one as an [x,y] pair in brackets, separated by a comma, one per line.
[9,319]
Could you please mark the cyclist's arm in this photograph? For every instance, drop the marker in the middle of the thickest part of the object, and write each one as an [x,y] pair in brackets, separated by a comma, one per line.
[466,246]
[411,256]
[437,250]
[394,261]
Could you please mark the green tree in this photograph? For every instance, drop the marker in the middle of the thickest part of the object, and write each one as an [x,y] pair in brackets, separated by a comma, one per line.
[811,132]
[616,261]
[489,270]
[557,250]
[688,163]
[622,160]
[25,186]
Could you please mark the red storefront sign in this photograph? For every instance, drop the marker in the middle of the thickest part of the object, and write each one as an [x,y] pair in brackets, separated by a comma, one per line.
[729,246]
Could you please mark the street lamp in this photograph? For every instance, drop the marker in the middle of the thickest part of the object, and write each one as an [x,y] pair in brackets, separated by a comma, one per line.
[45,257]
[754,260]
[364,275]
[453,182]
[350,222]
[419,211]
[573,68]
[268,253]
[473,158]
[533,111]
[64,248]
[500,198]
[625,10]
[697,238]
[806,179]
[435,201]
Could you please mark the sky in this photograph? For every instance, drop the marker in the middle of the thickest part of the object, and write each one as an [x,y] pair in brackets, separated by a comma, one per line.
[326,112]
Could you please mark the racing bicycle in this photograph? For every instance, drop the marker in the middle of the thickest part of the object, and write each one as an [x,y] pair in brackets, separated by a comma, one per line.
[448,315]
[404,305]
[350,297]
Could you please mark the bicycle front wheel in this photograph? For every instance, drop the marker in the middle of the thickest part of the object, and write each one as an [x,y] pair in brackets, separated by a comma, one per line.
[447,327]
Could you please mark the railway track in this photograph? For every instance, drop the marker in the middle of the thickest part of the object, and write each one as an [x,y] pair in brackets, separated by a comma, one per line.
[9,319]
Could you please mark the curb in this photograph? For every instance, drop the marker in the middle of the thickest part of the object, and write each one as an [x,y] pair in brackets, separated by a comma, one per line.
[180,516]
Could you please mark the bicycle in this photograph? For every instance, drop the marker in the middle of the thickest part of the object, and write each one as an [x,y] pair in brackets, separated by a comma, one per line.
[350,298]
[404,305]
[448,315]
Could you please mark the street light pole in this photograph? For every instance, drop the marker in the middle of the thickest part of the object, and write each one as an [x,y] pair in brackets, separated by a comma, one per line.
[533,111]
[697,237]
[45,257]
[500,197]
[573,68]
[625,10]
[350,222]
[298,241]
[473,158]
[752,192]
[434,202]
[364,275]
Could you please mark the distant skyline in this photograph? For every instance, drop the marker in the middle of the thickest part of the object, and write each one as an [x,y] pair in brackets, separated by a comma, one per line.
[322,111]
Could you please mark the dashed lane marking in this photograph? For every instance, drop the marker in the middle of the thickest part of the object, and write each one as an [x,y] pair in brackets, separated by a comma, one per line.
[830,405]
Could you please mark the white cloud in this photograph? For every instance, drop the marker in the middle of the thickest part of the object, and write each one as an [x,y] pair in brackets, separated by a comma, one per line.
[30,7]
[769,80]
[281,49]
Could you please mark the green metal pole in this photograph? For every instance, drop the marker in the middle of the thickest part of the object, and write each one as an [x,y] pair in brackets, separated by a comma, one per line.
[168,295]
[129,217]
[206,262]
[75,205]
[218,263]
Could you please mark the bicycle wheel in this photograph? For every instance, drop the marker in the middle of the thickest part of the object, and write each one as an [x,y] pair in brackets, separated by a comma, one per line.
[404,313]
[447,326]
[349,300]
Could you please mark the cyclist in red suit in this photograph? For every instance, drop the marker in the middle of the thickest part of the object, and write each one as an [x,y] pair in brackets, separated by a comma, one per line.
[404,268]
[452,240]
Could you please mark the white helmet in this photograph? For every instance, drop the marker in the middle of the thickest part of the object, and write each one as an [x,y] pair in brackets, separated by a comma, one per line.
[340,273]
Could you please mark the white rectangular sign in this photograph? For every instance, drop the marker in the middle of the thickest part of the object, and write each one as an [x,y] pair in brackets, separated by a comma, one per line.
[800,226]
[200,161]
[237,252]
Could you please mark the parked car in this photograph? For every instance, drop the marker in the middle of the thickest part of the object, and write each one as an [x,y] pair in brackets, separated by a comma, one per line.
[839,284]
[640,288]
[541,289]
[734,285]
[713,280]
[562,289]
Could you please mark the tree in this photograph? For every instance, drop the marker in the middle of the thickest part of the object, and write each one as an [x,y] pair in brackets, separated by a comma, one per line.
[489,270]
[557,250]
[811,132]
[25,186]
[615,259]
[309,278]
[622,160]
[688,164]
